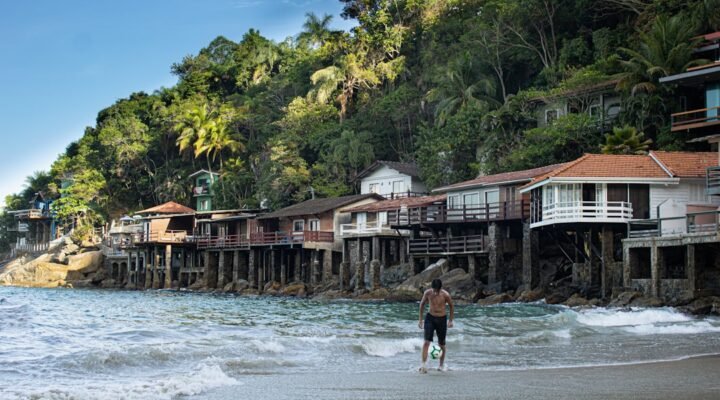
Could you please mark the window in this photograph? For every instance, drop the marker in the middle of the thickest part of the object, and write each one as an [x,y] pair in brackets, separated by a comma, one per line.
[510,194]
[298,225]
[314,224]
[550,116]
[398,186]
[595,112]
[204,205]
[453,201]
[492,196]
[471,200]
[374,188]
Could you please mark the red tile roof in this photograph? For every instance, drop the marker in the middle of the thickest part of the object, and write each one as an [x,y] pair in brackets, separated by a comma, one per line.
[170,207]
[395,204]
[684,164]
[497,179]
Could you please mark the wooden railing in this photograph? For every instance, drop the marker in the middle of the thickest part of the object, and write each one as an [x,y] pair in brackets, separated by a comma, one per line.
[455,245]
[403,195]
[585,211]
[162,237]
[222,242]
[696,222]
[440,213]
[695,118]
[269,238]
[713,180]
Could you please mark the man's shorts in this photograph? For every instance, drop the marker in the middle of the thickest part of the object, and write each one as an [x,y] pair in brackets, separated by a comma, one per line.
[435,324]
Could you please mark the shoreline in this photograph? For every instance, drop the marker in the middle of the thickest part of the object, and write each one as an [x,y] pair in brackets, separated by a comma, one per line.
[693,378]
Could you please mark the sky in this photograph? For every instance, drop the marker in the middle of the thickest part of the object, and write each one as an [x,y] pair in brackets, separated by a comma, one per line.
[63,61]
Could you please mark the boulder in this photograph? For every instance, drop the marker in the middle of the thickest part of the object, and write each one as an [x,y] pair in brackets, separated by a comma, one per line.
[295,289]
[241,285]
[396,274]
[404,296]
[229,287]
[577,300]
[496,299]
[423,279]
[459,283]
[702,306]
[624,299]
[529,296]
[197,285]
[271,287]
[644,301]
[555,298]
[107,283]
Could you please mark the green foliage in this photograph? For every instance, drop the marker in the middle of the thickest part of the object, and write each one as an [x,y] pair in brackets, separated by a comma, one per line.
[626,140]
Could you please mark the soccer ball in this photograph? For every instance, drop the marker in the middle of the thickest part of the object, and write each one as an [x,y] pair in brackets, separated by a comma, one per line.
[435,352]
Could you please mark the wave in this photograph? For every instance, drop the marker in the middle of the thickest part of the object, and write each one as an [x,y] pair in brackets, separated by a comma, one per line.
[268,347]
[684,329]
[620,318]
[390,348]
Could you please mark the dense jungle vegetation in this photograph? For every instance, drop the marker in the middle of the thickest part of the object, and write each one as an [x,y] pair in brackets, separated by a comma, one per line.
[447,83]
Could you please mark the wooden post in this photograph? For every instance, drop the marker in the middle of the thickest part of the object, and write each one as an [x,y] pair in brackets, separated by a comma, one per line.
[327,266]
[252,265]
[168,266]
[283,268]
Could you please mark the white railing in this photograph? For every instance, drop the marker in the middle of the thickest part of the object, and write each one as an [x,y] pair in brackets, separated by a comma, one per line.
[366,227]
[586,211]
[31,247]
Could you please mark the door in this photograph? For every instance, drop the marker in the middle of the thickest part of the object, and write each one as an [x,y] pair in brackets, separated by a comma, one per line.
[712,100]
[361,220]
[640,199]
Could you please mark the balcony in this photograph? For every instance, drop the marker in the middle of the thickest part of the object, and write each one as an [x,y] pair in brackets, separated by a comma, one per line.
[284,238]
[695,119]
[455,245]
[704,222]
[162,237]
[201,190]
[223,242]
[713,180]
[366,228]
[584,212]
[441,214]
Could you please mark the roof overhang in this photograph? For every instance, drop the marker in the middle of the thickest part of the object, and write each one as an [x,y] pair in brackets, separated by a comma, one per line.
[452,188]
[630,180]
[693,77]
[162,216]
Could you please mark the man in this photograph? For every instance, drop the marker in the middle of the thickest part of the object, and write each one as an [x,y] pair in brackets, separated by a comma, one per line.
[435,320]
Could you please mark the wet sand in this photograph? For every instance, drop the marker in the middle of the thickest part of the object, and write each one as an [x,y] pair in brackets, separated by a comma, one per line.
[690,379]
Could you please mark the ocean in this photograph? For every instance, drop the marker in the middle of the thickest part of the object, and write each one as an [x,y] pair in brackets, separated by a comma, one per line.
[103,344]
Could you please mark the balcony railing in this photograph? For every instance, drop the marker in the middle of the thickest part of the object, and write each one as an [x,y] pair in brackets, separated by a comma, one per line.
[713,180]
[201,190]
[585,211]
[364,227]
[692,223]
[222,242]
[455,245]
[695,118]
[270,238]
[440,213]
[162,237]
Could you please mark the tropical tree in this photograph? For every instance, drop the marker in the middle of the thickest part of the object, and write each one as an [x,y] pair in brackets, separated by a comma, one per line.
[626,140]
[351,153]
[316,30]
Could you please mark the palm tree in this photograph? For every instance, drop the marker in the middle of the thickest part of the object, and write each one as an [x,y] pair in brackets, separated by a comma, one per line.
[350,75]
[456,91]
[665,50]
[315,30]
[626,140]
[352,152]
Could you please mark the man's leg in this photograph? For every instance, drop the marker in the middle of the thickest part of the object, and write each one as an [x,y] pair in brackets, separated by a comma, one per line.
[441,333]
[429,330]
[442,356]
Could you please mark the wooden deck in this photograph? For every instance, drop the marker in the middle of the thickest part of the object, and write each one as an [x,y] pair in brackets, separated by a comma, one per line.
[441,214]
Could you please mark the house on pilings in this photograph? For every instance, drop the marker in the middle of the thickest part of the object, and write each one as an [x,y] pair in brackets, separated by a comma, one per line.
[392,180]
[300,243]
[583,208]
[36,226]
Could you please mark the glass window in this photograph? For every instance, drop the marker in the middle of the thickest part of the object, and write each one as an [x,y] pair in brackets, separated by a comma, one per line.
[453,201]
[492,196]
[374,188]
[550,116]
[298,225]
[471,200]
[314,224]
[398,186]
[595,112]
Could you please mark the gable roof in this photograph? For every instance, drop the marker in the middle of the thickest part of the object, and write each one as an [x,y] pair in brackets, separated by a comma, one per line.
[202,171]
[319,206]
[170,207]
[396,204]
[499,179]
[683,164]
[410,169]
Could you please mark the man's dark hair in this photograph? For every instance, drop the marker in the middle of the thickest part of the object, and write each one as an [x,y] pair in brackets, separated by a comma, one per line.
[436,285]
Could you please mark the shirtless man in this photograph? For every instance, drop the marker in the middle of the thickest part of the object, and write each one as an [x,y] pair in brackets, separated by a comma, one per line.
[435,320]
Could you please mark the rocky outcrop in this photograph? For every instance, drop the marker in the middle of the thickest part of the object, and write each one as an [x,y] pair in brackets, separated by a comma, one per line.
[624,299]
[703,306]
[529,296]
[422,280]
[495,299]
[297,289]
[81,269]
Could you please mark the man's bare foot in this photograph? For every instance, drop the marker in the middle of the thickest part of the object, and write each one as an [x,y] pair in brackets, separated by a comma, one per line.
[443,368]
[423,370]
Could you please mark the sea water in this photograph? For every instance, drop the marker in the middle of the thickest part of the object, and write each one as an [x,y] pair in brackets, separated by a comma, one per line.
[93,344]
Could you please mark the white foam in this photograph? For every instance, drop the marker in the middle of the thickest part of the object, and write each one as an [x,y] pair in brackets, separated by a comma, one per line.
[563,333]
[389,348]
[684,329]
[317,339]
[618,318]
[268,347]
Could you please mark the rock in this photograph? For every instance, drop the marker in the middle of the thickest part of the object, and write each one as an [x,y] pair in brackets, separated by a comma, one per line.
[555,298]
[529,296]
[644,301]
[496,299]
[624,299]
[404,296]
[577,301]
[378,294]
[295,289]
[271,287]
[396,274]
[241,285]
[422,280]
[107,283]
[702,306]
[229,287]
[459,283]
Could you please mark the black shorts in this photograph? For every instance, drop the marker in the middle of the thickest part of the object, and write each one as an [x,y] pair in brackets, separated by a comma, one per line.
[435,324]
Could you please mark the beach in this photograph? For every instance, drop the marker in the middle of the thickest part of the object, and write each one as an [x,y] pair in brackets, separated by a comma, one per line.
[691,379]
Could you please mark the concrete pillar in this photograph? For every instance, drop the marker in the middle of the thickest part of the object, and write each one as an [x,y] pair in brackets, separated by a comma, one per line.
[283,268]
[402,252]
[168,266]
[137,269]
[261,271]
[472,266]
[327,266]
[298,266]
[606,268]
[156,267]
[236,266]
[210,278]
[627,267]
[273,263]
[252,266]
[655,265]
[531,253]
[690,268]
[148,270]
[375,274]
[314,267]
[495,252]
[221,279]
[344,277]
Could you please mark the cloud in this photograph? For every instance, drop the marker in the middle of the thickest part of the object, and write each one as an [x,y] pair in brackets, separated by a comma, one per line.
[246,3]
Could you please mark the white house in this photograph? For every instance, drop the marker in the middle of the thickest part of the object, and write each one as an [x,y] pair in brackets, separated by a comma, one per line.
[599,100]
[391,179]
[602,188]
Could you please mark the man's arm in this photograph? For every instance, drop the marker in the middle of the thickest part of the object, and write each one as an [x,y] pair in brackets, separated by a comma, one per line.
[422,308]
[449,301]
